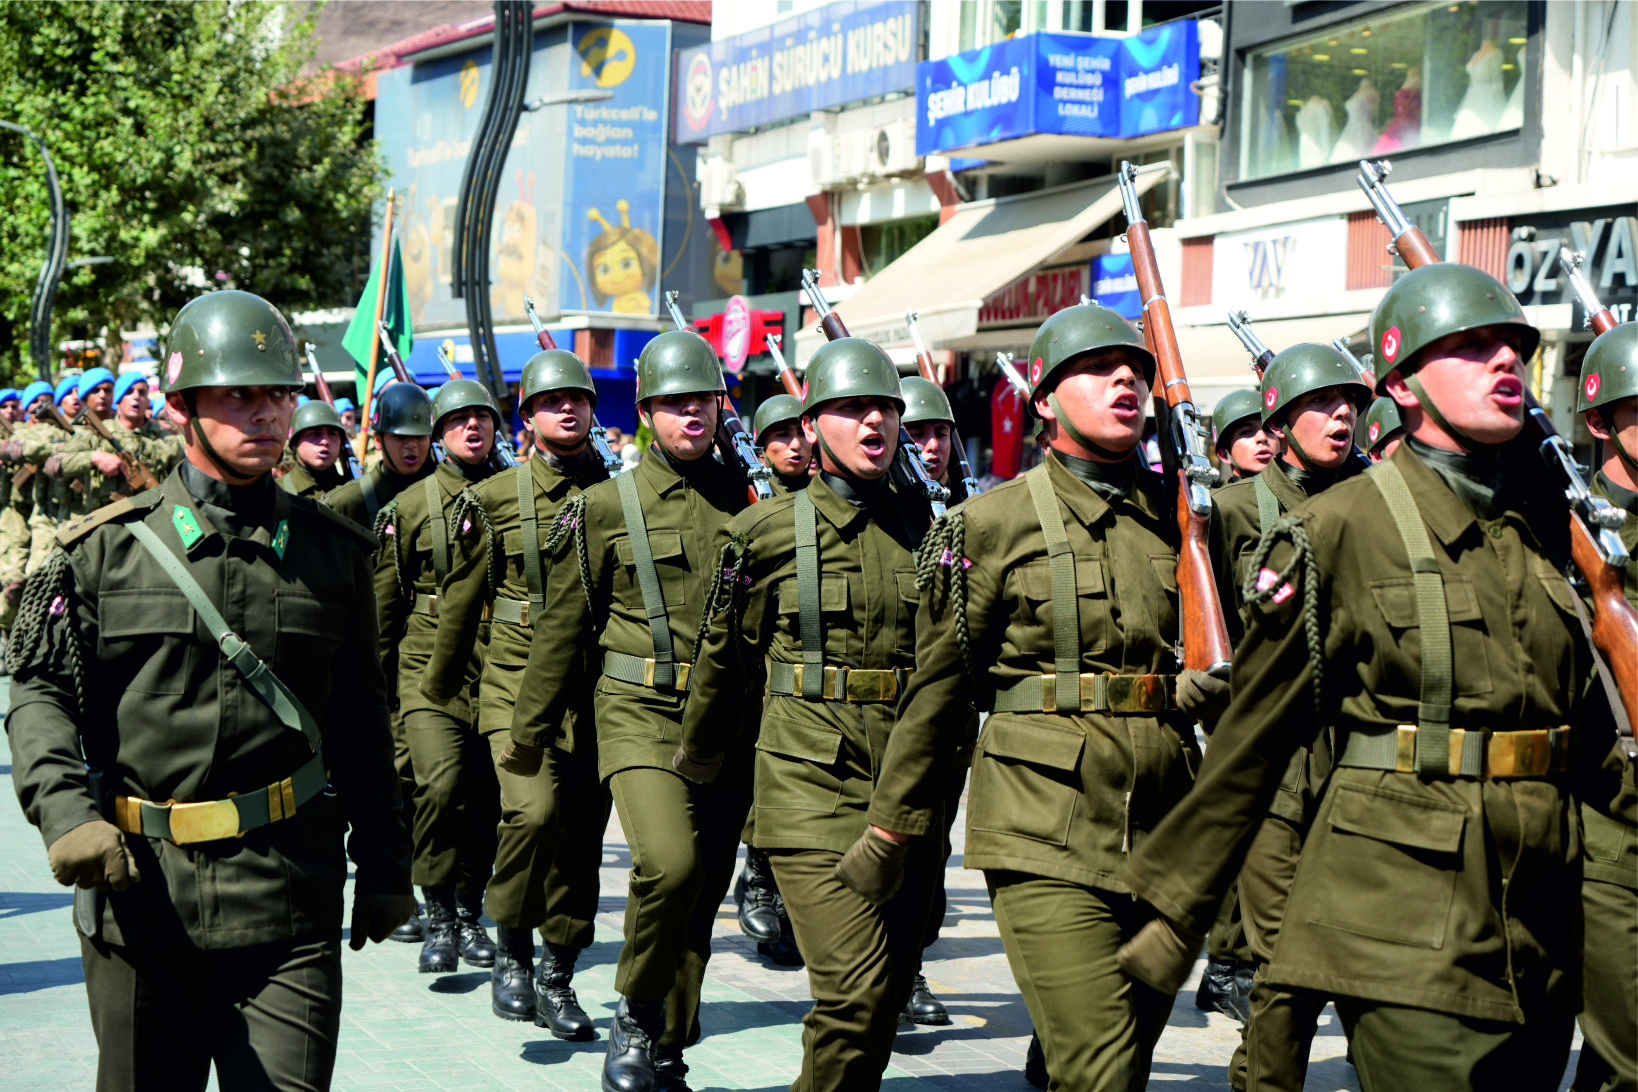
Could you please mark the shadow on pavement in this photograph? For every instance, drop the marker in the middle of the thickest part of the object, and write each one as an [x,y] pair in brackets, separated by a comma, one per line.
[14,904]
[459,983]
[40,974]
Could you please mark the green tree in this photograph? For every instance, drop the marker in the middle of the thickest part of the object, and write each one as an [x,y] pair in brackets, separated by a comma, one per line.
[190,150]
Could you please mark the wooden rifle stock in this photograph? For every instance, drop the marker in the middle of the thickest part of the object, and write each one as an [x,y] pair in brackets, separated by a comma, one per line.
[396,362]
[733,438]
[924,364]
[139,476]
[787,374]
[1205,634]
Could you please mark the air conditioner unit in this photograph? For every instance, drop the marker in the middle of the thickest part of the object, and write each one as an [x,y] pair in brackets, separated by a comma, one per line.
[893,149]
[720,186]
[858,155]
[824,159]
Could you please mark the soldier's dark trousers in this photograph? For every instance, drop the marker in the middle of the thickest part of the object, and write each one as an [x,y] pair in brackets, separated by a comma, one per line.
[1609,1021]
[1397,1048]
[1280,1033]
[952,805]
[267,1016]
[861,962]
[457,801]
[550,847]
[684,843]
[1098,1027]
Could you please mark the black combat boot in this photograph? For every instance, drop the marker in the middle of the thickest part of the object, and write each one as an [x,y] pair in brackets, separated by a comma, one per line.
[783,951]
[923,1007]
[439,954]
[754,893]
[477,950]
[670,1071]
[637,1026]
[557,1009]
[412,931]
[512,994]
[1225,987]
[1035,1068]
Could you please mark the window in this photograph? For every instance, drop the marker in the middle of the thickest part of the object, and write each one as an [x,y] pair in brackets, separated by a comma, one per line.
[1416,76]
[881,244]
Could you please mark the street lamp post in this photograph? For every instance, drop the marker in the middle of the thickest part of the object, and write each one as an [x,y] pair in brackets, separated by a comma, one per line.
[51,273]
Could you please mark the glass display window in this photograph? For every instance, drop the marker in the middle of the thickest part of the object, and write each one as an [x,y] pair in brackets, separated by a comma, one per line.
[1406,78]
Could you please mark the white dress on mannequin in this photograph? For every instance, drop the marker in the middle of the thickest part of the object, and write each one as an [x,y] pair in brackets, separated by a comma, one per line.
[1359,135]
[1482,106]
[1316,133]
[1513,116]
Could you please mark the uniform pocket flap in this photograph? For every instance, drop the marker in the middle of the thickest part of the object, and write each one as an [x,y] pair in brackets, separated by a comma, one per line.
[907,586]
[512,542]
[1558,590]
[1396,599]
[1165,566]
[1031,741]
[133,612]
[311,615]
[833,594]
[799,739]
[662,544]
[1035,578]
[1399,818]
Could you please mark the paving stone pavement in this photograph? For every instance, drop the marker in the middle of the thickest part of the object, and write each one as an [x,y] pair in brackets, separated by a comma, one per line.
[406,1031]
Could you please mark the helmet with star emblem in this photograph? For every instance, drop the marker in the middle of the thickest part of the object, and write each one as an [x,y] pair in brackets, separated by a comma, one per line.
[1443,298]
[459,394]
[1074,332]
[230,339]
[1609,371]
[851,367]
[1378,424]
[316,413]
[678,362]
[1308,367]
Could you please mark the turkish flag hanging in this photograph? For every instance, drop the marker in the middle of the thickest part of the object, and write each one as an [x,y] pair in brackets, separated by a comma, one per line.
[1006,429]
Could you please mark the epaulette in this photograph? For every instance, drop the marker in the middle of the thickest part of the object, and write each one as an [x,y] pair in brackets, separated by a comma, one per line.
[309,505]
[76,529]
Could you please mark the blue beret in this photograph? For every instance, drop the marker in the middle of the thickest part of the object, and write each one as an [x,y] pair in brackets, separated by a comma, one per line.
[8,394]
[123,385]
[342,404]
[65,388]
[33,391]
[93,379]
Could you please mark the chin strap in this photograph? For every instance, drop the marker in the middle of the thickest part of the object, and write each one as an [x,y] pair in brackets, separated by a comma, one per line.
[1467,442]
[232,476]
[1108,454]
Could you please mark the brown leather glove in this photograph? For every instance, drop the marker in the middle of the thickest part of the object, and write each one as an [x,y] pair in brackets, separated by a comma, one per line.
[376,916]
[520,759]
[699,771]
[11,451]
[53,466]
[873,868]
[13,594]
[93,854]
[1161,955]
[1203,697]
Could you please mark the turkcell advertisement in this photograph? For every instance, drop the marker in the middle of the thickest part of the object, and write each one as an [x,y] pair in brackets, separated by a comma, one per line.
[1060,84]
[820,59]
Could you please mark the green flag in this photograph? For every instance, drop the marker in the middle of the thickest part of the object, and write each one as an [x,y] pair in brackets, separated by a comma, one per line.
[395,314]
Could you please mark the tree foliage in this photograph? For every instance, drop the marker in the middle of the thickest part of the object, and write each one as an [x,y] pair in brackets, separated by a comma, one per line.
[190,150]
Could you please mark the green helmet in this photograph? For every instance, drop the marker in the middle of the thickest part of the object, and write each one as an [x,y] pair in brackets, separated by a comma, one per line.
[402,409]
[851,367]
[1076,330]
[230,339]
[1378,423]
[1307,367]
[1444,298]
[459,394]
[775,411]
[678,362]
[1234,407]
[1609,371]
[317,413]
[555,370]
[925,400]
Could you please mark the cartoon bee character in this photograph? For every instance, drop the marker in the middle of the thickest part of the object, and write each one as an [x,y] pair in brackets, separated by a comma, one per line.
[622,263]
[727,269]
[515,256]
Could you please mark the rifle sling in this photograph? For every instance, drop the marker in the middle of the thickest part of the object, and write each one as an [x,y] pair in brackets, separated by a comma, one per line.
[648,583]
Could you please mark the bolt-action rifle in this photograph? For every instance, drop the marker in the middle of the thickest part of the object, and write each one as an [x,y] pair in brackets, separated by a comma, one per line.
[908,458]
[1598,318]
[137,474]
[924,362]
[1010,370]
[1262,356]
[598,438]
[502,450]
[1205,635]
[322,385]
[733,439]
[787,374]
[1595,542]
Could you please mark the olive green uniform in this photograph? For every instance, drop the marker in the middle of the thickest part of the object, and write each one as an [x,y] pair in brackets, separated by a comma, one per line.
[303,481]
[50,492]
[457,800]
[683,837]
[98,489]
[361,499]
[818,753]
[1056,801]
[551,828]
[227,949]
[1440,912]
[14,531]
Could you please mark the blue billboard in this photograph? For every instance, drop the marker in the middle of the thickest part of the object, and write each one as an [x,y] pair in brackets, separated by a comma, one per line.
[1114,285]
[1061,84]
[840,53]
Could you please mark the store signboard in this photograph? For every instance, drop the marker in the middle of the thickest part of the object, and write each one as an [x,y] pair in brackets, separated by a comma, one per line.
[1030,299]
[1114,284]
[1063,84]
[821,59]
[1288,261]
[1607,236]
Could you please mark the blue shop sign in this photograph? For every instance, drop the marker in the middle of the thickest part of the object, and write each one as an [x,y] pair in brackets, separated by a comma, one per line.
[1060,84]
[1114,284]
[818,60]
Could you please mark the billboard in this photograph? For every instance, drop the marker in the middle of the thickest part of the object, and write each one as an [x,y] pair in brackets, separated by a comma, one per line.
[818,60]
[1061,84]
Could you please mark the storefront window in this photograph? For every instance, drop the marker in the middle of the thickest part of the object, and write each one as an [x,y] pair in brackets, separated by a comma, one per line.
[1413,77]
[882,244]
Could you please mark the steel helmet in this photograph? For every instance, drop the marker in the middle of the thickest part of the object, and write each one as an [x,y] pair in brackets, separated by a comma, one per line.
[1308,367]
[851,367]
[1232,408]
[678,362]
[317,413]
[1609,371]
[230,339]
[459,394]
[555,370]
[1378,423]
[924,400]
[1073,331]
[1444,298]
[775,411]
[403,409]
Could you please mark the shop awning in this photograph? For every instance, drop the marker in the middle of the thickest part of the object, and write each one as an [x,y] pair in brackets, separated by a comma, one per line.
[984,247]
[1213,353]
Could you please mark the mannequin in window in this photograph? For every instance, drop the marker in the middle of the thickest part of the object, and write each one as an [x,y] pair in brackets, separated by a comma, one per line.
[1317,133]
[1513,116]
[1404,129]
[1482,104]
[1359,135]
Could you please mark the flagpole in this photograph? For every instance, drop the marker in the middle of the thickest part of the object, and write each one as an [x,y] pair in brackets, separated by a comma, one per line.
[375,331]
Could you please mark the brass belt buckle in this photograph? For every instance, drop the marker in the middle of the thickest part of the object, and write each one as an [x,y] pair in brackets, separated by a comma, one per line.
[1132,693]
[870,685]
[204,821]
[648,674]
[1404,757]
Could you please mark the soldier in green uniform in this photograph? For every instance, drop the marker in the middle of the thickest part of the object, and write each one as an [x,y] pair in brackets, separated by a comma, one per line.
[1608,401]
[91,465]
[1244,446]
[197,719]
[317,440]
[1051,602]
[161,451]
[1380,430]
[402,427]
[14,502]
[551,828]
[818,610]
[646,545]
[50,487]
[1417,615]
[457,800]
[930,422]
[778,432]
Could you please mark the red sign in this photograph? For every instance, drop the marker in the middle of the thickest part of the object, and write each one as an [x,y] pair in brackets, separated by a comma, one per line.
[736,333]
[1035,297]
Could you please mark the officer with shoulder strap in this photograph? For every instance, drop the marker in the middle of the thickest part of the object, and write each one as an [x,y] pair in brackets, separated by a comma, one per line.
[779,438]
[197,719]
[645,545]
[317,438]
[821,584]
[402,426]
[1244,446]
[551,830]
[457,800]
[1417,614]
[1608,401]
[1051,602]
